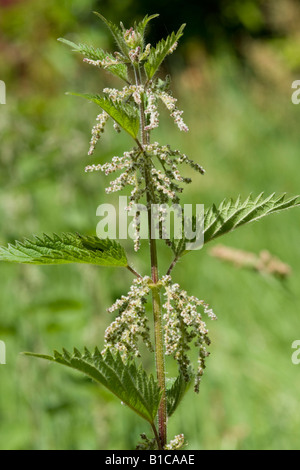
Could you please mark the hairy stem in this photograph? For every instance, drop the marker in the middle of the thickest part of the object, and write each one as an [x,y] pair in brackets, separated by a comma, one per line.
[160,366]
[156,301]
[172,266]
[133,271]
[155,433]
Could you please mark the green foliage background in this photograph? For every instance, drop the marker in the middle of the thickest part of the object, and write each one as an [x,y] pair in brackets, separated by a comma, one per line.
[232,74]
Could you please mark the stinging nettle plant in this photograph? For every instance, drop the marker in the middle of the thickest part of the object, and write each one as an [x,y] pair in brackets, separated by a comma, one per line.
[153,172]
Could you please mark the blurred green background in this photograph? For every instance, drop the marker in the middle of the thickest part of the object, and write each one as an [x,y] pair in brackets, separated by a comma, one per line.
[232,74]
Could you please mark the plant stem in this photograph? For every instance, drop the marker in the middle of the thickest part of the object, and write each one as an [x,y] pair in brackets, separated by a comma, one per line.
[158,333]
[155,433]
[160,366]
[172,265]
[133,271]
[156,301]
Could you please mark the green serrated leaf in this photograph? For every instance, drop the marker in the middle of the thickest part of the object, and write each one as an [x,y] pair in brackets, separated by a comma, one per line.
[233,214]
[129,383]
[69,43]
[66,248]
[116,32]
[141,26]
[158,53]
[119,70]
[176,393]
[124,115]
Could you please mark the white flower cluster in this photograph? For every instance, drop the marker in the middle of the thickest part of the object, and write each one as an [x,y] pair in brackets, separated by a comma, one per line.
[165,184]
[170,103]
[176,443]
[183,324]
[162,183]
[117,128]
[134,54]
[131,323]
[107,62]
[146,52]
[132,37]
[152,111]
[130,164]
[97,131]
[173,48]
[166,181]
[117,163]
[120,95]
[153,93]
[134,40]
[137,229]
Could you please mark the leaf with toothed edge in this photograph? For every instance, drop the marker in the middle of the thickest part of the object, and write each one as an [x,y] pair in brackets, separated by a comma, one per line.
[129,383]
[63,249]
[231,215]
[116,33]
[119,70]
[176,392]
[160,51]
[123,114]
[141,26]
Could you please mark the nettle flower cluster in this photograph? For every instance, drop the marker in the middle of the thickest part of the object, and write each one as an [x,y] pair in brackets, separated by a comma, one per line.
[151,94]
[183,324]
[132,321]
[163,183]
[152,172]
